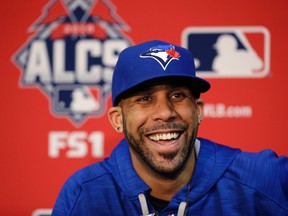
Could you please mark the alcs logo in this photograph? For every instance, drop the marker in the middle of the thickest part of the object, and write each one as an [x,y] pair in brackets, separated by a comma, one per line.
[72,54]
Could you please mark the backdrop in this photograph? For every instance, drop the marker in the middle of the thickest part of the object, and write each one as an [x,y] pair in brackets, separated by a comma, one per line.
[57,59]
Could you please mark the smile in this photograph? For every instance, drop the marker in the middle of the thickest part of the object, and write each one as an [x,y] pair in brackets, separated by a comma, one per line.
[164,136]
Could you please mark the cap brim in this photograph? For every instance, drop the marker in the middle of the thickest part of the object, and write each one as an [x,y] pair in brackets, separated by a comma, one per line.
[196,84]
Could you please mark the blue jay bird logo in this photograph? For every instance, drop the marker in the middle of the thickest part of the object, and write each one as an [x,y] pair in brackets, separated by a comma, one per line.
[163,54]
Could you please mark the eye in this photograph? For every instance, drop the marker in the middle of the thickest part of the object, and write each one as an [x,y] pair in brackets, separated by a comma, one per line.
[144,99]
[178,96]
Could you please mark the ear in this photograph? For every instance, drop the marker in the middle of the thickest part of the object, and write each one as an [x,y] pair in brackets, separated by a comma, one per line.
[115,118]
[200,109]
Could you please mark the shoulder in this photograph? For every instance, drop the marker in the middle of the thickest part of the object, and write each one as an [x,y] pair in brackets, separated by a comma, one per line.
[220,152]
[88,174]
[264,172]
[76,183]
[91,181]
[266,163]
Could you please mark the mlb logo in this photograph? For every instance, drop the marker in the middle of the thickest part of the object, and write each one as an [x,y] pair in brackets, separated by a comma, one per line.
[77,100]
[229,52]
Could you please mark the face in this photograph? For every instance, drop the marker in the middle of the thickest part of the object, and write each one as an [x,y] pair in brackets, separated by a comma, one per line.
[160,123]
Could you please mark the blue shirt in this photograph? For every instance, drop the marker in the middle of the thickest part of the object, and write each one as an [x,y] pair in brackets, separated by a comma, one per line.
[226,181]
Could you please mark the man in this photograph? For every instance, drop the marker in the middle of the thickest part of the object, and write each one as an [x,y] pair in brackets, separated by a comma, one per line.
[161,168]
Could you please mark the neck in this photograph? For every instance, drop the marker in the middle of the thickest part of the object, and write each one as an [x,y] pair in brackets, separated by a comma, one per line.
[163,188]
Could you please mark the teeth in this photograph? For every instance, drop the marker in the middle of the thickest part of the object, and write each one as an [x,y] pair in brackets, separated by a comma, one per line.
[167,136]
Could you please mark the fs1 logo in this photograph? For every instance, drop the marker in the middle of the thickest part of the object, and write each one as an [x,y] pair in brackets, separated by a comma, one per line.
[229,52]
[72,54]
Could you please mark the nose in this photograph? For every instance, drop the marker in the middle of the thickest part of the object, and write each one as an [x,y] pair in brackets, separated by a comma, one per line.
[164,111]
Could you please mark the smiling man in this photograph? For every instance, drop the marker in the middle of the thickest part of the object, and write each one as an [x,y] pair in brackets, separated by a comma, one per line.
[161,167]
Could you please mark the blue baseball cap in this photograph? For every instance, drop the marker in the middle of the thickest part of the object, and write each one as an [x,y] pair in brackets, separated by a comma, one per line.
[150,60]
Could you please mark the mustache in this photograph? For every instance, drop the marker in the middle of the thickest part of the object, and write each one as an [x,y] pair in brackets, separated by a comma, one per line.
[164,127]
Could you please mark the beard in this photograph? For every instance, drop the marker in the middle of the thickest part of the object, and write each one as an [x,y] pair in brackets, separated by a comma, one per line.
[170,164]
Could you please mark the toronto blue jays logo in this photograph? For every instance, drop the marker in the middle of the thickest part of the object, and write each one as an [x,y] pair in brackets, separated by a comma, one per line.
[229,52]
[163,54]
[71,55]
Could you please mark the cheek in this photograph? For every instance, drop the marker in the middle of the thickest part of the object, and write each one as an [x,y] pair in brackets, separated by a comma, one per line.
[134,119]
[187,112]
[190,116]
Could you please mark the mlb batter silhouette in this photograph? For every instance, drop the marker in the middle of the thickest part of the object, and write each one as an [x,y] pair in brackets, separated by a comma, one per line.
[83,101]
[230,59]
